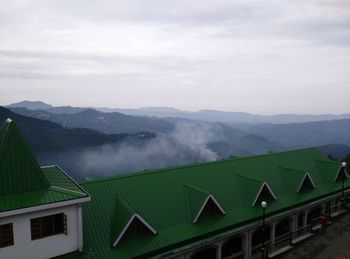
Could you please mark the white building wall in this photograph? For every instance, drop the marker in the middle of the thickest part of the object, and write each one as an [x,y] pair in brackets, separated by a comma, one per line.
[46,247]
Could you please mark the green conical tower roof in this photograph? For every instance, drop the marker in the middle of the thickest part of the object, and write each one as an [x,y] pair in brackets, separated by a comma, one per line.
[19,170]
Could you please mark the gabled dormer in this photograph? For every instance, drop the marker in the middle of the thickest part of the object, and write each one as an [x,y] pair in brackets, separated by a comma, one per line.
[127,223]
[298,180]
[255,190]
[341,175]
[306,184]
[331,170]
[201,203]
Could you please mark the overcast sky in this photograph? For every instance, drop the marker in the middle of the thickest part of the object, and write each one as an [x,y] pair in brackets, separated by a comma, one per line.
[263,57]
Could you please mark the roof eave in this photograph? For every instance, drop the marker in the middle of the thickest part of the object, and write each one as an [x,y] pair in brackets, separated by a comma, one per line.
[44,207]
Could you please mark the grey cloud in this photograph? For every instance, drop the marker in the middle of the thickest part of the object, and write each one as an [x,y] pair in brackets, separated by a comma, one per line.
[217,52]
[186,144]
[25,64]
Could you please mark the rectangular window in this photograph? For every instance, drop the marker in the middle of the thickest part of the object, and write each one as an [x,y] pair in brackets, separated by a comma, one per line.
[6,235]
[48,226]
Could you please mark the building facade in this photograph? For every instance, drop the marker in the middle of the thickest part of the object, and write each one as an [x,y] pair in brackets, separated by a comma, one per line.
[40,208]
[213,210]
[205,210]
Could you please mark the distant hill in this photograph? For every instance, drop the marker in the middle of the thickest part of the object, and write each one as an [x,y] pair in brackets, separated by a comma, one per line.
[295,135]
[109,123]
[235,119]
[45,136]
[31,105]
[227,133]
[230,118]
[65,109]
[335,151]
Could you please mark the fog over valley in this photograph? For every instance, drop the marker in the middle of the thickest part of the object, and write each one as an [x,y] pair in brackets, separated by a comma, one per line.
[90,143]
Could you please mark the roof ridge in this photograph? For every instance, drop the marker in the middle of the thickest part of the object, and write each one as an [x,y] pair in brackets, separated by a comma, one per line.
[193,187]
[293,169]
[327,161]
[60,189]
[251,178]
[70,178]
[124,204]
[196,164]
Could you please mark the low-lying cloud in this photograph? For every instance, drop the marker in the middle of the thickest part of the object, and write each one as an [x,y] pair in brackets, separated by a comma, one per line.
[187,143]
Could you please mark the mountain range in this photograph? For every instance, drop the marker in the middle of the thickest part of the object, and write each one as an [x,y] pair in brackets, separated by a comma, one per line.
[109,123]
[45,136]
[75,136]
[231,118]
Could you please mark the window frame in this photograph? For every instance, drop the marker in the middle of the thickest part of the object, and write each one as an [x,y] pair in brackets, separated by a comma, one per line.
[49,225]
[10,241]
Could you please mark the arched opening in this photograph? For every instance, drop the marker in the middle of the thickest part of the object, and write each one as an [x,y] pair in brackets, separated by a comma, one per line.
[300,224]
[258,237]
[314,216]
[205,253]
[282,234]
[328,209]
[232,247]
[282,228]
[337,205]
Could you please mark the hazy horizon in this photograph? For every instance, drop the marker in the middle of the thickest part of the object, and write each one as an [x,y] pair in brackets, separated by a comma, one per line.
[259,57]
[169,107]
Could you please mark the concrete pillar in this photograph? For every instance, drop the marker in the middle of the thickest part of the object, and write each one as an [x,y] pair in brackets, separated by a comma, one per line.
[219,249]
[293,225]
[273,234]
[80,228]
[247,237]
[306,213]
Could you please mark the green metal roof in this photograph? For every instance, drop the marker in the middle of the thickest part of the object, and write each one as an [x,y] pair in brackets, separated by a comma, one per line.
[293,177]
[162,197]
[122,214]
[250,187]
[19,171]
[195,198]
[23,183]
[328,168]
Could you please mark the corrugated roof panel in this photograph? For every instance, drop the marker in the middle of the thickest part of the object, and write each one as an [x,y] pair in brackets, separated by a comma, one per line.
[19,171]
[160,196]
[195,199]
[250,187]
[23,183]
[58,178]
[293,177]
[122,214]
[34,198]
[328,168]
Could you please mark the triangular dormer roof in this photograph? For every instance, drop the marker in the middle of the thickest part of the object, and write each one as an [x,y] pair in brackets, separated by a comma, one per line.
[296,179]
[306,180]
[253,188]
[341,173]
[19,171]
[124,217]
[329,169]
[198,201]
